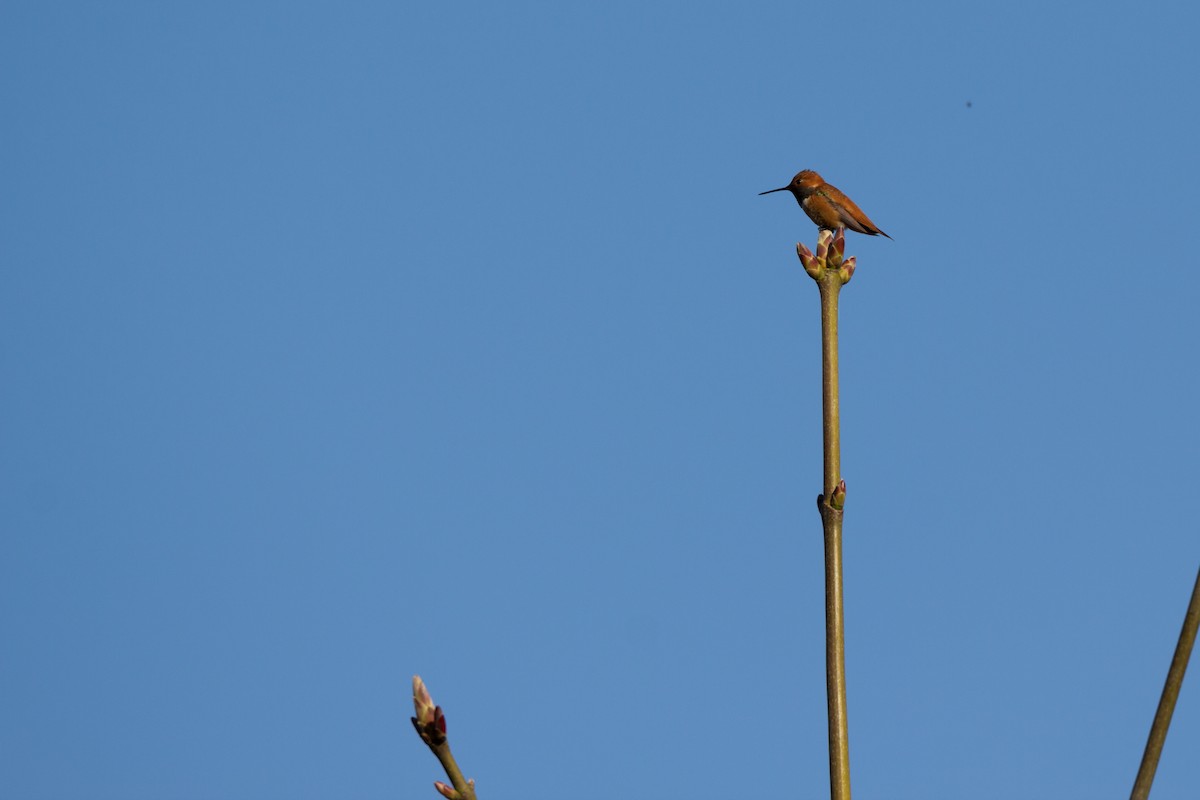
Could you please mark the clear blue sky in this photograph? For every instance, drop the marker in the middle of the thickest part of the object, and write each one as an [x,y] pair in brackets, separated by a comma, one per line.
[343,342]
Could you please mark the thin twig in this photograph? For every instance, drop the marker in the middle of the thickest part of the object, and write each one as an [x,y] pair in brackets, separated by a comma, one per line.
[430,723]
[1170,693]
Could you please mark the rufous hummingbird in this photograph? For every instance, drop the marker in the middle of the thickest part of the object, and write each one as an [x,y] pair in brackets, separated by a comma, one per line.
[826,205]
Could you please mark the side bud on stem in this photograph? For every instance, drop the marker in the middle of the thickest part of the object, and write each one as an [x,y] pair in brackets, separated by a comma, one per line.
[838,500]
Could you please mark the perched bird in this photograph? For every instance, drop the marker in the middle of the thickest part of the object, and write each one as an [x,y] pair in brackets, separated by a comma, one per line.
[826,205]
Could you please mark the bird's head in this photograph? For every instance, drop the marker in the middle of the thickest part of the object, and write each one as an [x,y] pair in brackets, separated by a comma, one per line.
[802,185]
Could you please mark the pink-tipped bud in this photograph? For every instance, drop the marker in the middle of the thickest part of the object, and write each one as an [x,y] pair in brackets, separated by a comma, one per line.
[422,702]
[824,237]
[848,268]
[449,792]
[838,500]
[839,242]
[806,257]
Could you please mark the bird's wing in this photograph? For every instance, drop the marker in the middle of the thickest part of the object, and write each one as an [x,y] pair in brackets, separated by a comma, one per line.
[852,216]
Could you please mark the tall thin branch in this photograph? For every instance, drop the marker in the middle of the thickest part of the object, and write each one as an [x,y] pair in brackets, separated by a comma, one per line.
[830,272]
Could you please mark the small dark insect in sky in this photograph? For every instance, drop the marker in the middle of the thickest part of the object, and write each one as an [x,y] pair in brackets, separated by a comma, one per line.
[968,104]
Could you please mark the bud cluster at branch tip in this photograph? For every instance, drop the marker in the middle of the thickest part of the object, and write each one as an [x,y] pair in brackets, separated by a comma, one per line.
[830,255]
[429,721]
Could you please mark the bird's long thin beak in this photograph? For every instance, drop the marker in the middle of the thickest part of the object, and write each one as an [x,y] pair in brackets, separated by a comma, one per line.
[780,189]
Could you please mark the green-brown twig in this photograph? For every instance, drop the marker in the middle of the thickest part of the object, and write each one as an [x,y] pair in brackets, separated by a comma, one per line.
[1170,693]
